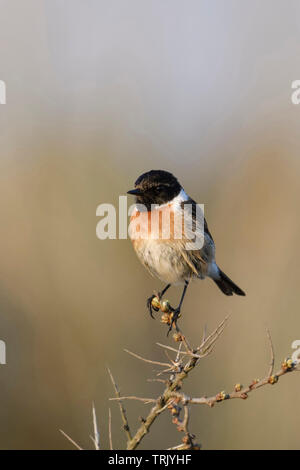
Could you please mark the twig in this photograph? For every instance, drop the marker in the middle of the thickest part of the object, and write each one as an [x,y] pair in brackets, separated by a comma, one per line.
[157,380]
[165,407]
[96,432]
[185,342]
[70,439]
[177,363]
[161,403]
[145,400]
[185,353]
[242,393]
[109,430]
[185,423]
[272,353]
[178,352]
[179,447]
[157,363]
[122,409]
[204,333]
[210,340]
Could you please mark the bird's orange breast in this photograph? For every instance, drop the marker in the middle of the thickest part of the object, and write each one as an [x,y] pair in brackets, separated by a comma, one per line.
[157,224]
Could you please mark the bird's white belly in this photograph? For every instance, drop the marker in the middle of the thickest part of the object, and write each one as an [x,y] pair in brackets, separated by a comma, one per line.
[162,260]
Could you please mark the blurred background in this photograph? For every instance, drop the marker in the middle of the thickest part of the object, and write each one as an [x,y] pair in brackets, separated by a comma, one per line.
[99,91]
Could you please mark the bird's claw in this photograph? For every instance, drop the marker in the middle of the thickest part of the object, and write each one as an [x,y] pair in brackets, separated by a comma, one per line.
[150,306]
[171,314]
[175,316]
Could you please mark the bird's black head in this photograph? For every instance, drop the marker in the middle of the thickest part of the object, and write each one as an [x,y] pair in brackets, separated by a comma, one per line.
[155,187]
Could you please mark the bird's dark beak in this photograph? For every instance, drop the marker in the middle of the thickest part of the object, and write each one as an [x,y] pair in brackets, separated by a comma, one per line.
[134,192]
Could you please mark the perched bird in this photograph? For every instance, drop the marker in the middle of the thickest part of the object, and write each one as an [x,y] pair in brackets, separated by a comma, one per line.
[166,256]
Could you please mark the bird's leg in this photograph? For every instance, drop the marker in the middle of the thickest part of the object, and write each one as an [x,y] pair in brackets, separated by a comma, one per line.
[176,311]
[159,295]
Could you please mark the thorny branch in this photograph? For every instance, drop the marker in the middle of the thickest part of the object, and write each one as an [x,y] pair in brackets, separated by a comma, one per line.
[122,409]
[174,400]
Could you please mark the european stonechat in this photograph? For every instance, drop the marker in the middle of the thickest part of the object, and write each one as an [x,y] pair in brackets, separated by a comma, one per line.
[163,247]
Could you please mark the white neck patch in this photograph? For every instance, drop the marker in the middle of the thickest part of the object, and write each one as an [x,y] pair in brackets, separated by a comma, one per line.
[176,201]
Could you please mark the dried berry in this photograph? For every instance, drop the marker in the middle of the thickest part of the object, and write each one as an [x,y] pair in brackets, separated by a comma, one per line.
[165,306]
[273,379]
[238,387]
[166,318]
[287,364]
[177,337]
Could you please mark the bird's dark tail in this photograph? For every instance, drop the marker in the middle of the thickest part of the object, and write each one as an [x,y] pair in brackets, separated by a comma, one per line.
[227,286]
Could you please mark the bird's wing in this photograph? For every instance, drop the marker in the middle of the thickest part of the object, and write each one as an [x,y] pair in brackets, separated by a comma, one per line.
[197,257]
[193,204]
